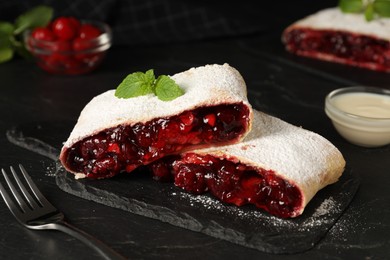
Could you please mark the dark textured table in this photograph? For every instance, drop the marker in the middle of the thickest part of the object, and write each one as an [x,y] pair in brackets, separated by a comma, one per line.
[280,84]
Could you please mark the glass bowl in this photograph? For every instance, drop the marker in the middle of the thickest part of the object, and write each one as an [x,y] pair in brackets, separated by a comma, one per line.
[360,114]
[64,57]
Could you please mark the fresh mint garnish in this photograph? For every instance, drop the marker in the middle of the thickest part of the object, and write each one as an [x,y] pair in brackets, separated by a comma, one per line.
[139,84]
[136,84]
[166,88]
[382,7]
[36,17]
[6,52]
[351,6]
[370,8]
[369,13]
[11,34]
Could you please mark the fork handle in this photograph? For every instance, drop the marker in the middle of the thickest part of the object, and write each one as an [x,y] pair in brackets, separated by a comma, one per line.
[89,240]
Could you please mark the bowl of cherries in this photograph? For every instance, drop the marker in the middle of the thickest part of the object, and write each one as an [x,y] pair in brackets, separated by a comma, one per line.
[69,46]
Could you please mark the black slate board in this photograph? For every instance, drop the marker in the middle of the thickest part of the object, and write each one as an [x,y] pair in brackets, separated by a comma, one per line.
[139,194]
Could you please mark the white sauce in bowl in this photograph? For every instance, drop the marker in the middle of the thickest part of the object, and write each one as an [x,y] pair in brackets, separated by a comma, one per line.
[363,104]
[360,114]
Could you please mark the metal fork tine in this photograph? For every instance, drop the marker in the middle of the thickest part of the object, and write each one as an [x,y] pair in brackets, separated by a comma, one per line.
[47,216]
[16,194]
[10,203]
[27,194]
[42,199]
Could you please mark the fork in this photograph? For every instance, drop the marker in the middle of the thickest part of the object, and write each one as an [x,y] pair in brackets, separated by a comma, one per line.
[34,211]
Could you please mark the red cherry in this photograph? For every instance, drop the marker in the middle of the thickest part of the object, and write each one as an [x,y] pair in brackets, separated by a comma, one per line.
[43,34]
[113,148]
[60,46]
[80,44]
[65,28]
[57,60]
[72,66]
[76,23]
[57,63]
[209,119]
[88,32]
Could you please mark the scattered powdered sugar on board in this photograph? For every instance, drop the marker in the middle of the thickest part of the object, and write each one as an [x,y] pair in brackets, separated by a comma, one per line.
[355,223]
[323,214]
[50,168]
[326,206]
[51,171]
[202,200]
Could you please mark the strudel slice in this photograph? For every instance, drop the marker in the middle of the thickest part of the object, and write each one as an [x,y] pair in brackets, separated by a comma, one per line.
[278,167]
[345,38]
[114,135]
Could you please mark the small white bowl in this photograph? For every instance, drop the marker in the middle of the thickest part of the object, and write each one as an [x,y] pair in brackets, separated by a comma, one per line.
[360,114]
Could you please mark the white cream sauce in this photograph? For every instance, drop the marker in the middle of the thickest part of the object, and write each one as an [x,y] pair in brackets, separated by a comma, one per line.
[364,104]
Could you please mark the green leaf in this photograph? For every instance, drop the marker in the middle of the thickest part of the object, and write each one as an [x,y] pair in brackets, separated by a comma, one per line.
[35,17]
[369,12]
[6,28]
[351,6]
[382,7]
[6,54]
[136,84]
[5,42]
[167,89]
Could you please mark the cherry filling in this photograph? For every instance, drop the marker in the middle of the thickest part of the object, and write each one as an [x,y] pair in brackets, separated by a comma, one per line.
[125,147]
[231,182]
[349,48]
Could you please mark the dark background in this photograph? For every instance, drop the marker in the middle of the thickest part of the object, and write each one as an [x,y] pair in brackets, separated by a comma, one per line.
[173,36]
[139,22]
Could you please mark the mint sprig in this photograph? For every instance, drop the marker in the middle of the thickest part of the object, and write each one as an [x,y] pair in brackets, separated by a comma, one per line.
[370,8]
[140,84]
[11,33]
[6,52]
[382,7]
[351,6]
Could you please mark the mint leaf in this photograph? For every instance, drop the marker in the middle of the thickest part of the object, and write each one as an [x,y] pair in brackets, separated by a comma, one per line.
[10,40]
[167,89]
[136,84]
[369,12]
[351,6]
[6,50]
[370,8]
[382,7]
[6,54]
[139,84]
[37,16]
[6,29]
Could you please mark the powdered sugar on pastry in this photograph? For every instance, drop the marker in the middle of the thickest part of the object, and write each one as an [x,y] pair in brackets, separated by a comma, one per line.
[334,19]
[204,86]
[299,156]
[346,38]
